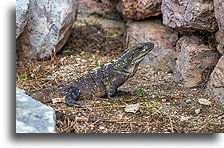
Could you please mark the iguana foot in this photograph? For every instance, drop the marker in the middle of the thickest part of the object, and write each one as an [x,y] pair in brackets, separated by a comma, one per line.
[110,93]
[71,102]
[73,97]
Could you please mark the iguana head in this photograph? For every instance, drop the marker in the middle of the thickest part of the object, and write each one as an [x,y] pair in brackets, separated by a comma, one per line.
[133,56]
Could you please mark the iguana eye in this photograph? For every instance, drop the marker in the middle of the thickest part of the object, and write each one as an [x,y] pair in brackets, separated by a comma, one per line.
[138,47]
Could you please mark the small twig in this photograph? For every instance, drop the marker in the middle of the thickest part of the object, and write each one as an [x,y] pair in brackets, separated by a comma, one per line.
[60,115]
[206,122]
[163,113]
[97,107]
[171,124]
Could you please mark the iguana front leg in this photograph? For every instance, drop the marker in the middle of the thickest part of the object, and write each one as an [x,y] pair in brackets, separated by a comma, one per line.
[113,88]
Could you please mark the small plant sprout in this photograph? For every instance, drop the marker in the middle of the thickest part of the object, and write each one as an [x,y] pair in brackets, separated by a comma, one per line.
[111,32]
[22,77]
[72,52]
[85,22]
[153,106]
[67,51]
[75,54]
[96,61]
[158,92]
[138,92]
[167,87]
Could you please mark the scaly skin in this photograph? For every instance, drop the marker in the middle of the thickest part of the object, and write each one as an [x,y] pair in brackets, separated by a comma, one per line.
[98,82]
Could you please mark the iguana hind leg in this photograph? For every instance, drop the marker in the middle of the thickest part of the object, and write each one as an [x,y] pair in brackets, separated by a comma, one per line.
[73,96]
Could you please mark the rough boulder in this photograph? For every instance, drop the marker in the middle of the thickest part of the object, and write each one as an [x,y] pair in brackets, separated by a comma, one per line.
[32,116]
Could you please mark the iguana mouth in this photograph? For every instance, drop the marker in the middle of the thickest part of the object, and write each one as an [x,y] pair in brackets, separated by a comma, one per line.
[139,59]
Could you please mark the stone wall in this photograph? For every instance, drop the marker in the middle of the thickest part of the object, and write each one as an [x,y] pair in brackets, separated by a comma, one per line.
[189,41]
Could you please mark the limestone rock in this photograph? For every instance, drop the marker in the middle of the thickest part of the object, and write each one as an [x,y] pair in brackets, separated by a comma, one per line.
[90,6]
[139,9]
[219,9]
[132,108]
[32,116]
[197,111]
[99,9]
[21,15]
[220,40]
[48,27]
[100,12]
[187,15]
[110,3]
[183,118]
[219,15]
[163,55]
[204,101]
[216,82]
[194,61]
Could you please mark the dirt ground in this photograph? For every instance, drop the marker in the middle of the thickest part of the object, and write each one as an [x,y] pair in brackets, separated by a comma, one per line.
[165,107]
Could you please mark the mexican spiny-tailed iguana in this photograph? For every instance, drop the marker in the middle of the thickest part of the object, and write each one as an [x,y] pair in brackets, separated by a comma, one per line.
[100,81]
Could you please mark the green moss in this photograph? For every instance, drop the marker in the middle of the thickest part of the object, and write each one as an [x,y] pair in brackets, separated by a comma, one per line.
[208,38]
